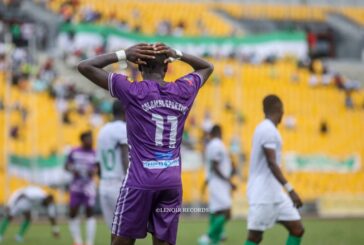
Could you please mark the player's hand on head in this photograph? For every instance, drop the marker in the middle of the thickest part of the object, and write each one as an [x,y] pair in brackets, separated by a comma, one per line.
[161,48]
[140,52]
[297,202]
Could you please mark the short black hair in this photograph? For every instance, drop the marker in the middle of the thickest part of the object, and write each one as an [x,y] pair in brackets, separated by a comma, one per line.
[85,134]
[215,130]
[270,103]
[155,64]
[118,108]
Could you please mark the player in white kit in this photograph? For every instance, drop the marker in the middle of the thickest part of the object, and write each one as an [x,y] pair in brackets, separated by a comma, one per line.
[268,204]
[22,202]
[112,156]
[219,174]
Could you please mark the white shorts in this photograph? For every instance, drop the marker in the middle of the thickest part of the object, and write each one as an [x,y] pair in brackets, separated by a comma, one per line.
[109,193]
[263,216]
[20,206]
[219,199]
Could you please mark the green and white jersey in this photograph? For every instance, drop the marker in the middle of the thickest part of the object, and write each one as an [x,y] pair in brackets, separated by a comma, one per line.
[110,138]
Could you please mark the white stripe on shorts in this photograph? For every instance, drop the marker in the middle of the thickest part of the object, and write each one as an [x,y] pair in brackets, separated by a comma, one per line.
[122,209]
[117,211]
[118,215]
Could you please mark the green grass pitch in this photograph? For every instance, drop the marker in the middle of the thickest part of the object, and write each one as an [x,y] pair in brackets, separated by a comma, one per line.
[318,232]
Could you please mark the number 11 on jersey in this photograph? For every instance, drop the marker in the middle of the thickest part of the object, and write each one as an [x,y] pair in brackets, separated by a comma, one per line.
[159,123]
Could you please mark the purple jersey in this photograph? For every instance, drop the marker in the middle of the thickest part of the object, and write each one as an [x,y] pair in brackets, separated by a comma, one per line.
[84,162]
[155,118]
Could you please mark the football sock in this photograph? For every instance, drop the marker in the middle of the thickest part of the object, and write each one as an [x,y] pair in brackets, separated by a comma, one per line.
[216,228]
[90,230]
[247,242]
[293,240]
[23,228]
[75,229]
[4,224]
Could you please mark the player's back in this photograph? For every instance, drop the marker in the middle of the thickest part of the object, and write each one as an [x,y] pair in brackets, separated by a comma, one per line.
[111,136]
[31,193]
[155,116]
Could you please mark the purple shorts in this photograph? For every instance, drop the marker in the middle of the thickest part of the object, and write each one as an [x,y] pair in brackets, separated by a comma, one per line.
[82,199]
[140,211]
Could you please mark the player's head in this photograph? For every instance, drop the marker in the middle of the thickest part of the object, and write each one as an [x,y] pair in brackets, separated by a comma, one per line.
[156,66]
[216,131]
[86,139]
[48,200]
[118,110]
[273,108]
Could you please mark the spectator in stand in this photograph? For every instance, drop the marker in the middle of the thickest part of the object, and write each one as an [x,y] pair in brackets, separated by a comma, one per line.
[349,104]
[326,77]
[179,29]
[202,30]
[164,28]
[290,122]
[338,81]
[2,61]
[89,15]
[352,85]
[324,128]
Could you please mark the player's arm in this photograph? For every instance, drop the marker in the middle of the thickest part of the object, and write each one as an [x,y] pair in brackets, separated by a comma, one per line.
[69,163]
[200,66]
[270,155]
[124,157]
[93,68]
[98,169]
[216,170]
[70,166]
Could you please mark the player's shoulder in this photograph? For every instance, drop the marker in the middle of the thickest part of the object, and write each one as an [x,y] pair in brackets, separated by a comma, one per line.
[192,79]
[266,126]
[110,126]
[75,150]
[215,143]
[34,190]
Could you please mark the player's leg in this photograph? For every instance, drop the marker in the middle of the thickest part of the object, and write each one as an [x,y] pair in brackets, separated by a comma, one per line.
[90,221]
[131,216]
[219,204]
[260,218]
[296,231]
[164,218]
[218,221]
[290,218]
[108,201]
[5,223]
[120,240]
[74,220]
[24,226]
[254,237]
[157,241]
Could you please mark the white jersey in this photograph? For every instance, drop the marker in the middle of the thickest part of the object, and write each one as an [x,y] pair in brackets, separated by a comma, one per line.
[219,190]
[108,151]
[263,187]
[32,194]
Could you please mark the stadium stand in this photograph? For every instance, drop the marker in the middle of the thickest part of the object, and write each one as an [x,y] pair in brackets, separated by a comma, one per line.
[242,89]
[193,18]
[199,15]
